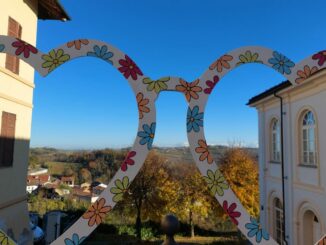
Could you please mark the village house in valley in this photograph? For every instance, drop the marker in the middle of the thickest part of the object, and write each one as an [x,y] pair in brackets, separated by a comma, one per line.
[18,18]
[304,137]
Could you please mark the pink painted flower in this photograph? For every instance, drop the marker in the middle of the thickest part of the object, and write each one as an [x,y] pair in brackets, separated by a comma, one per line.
[230,210]
[129,68]
[23,47]
[128,160]
[320,56]
[211,84]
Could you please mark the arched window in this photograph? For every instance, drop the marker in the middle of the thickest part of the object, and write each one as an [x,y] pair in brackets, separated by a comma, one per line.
[308,139]
[275,140]
[278,221]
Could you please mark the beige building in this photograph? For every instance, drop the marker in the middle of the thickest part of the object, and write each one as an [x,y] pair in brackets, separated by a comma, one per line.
[18,18]
[304,141]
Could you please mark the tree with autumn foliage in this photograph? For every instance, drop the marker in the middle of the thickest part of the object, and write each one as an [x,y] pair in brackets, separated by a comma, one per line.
[195,203]
[240,169]
[151,191]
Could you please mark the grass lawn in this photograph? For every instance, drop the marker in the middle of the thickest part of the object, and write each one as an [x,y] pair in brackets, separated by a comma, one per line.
[102,239]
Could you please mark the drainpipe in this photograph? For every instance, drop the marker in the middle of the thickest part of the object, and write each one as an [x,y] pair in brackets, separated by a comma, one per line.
[282,163]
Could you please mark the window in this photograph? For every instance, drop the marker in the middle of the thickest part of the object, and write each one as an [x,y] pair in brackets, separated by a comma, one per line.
[14,30]
[276,140]
[7,140]
[308,139]
[278,218]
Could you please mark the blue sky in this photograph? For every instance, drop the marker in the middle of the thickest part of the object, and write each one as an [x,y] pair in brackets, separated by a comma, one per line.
[88,104]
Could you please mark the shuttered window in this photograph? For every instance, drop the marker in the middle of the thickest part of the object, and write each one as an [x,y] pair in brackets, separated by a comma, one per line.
[7,140]
[14,30]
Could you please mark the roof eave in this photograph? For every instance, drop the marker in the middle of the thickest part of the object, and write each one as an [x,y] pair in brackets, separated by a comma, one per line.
[50,14]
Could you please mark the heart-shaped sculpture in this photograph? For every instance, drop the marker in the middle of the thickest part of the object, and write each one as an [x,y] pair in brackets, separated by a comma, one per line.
[146,91]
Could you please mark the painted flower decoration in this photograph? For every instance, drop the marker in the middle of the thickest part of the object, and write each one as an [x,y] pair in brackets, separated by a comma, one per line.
[281,63]
[129,68]
[230,210]
[96,213]
[121,187]
[101,52]
[54,59]
[189,89]
[194,119]
[23,47]
[156,85]
[216,182]
[142,105]
[221,63]
[305,73]
[147,136]
[74,240]
[320,56]
[77,43]
[248,57]
[256,230]
[4,239]
[128,161]
[211,84]
[204,153]
[2,47]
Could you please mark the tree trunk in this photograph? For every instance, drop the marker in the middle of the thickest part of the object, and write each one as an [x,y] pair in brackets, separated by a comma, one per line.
[138,222]
[192,227]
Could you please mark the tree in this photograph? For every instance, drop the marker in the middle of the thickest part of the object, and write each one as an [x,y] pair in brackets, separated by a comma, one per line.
[85,176]
[33,161]
[195,203]
[147,193]
[240,169]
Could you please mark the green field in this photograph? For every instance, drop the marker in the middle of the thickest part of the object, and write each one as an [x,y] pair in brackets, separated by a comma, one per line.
[57,168]
[124,240]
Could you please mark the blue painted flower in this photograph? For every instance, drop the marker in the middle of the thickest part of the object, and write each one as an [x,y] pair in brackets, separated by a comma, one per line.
[194,119]
[2,47]
[101,52]
[281,63]
[147,136]
[255,230]
[75,240]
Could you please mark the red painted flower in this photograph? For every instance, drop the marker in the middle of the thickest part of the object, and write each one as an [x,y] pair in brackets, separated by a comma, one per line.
[129,68]
[128,161]
[211,84]
[231,211]
[23,47]
[320,56]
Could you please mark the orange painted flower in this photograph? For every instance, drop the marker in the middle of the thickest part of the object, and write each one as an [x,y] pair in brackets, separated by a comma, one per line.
[77,43]
[142,108]
[203,149]
[189,89]
[221,63]
[97,212]
[305,73]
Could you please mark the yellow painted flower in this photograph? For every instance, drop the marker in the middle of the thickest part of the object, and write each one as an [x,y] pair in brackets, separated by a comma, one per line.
[5,240]
[54,59]
[121,186]
[156,85]
[216,182]
[248,57]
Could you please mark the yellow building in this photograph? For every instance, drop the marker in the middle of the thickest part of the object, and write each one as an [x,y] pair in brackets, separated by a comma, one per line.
[18,18]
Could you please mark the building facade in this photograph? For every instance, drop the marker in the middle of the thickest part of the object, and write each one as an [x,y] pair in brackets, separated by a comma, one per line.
[18,18]
[304,144]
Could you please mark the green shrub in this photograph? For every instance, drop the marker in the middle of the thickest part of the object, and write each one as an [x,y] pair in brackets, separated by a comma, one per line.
[126,230]
[147,233]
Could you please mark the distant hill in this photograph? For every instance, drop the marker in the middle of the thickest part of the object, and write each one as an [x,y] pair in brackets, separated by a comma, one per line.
[182,154]
[172,154]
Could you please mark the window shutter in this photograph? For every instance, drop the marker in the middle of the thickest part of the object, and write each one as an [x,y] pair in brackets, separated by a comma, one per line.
[14,30]
[7,142]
